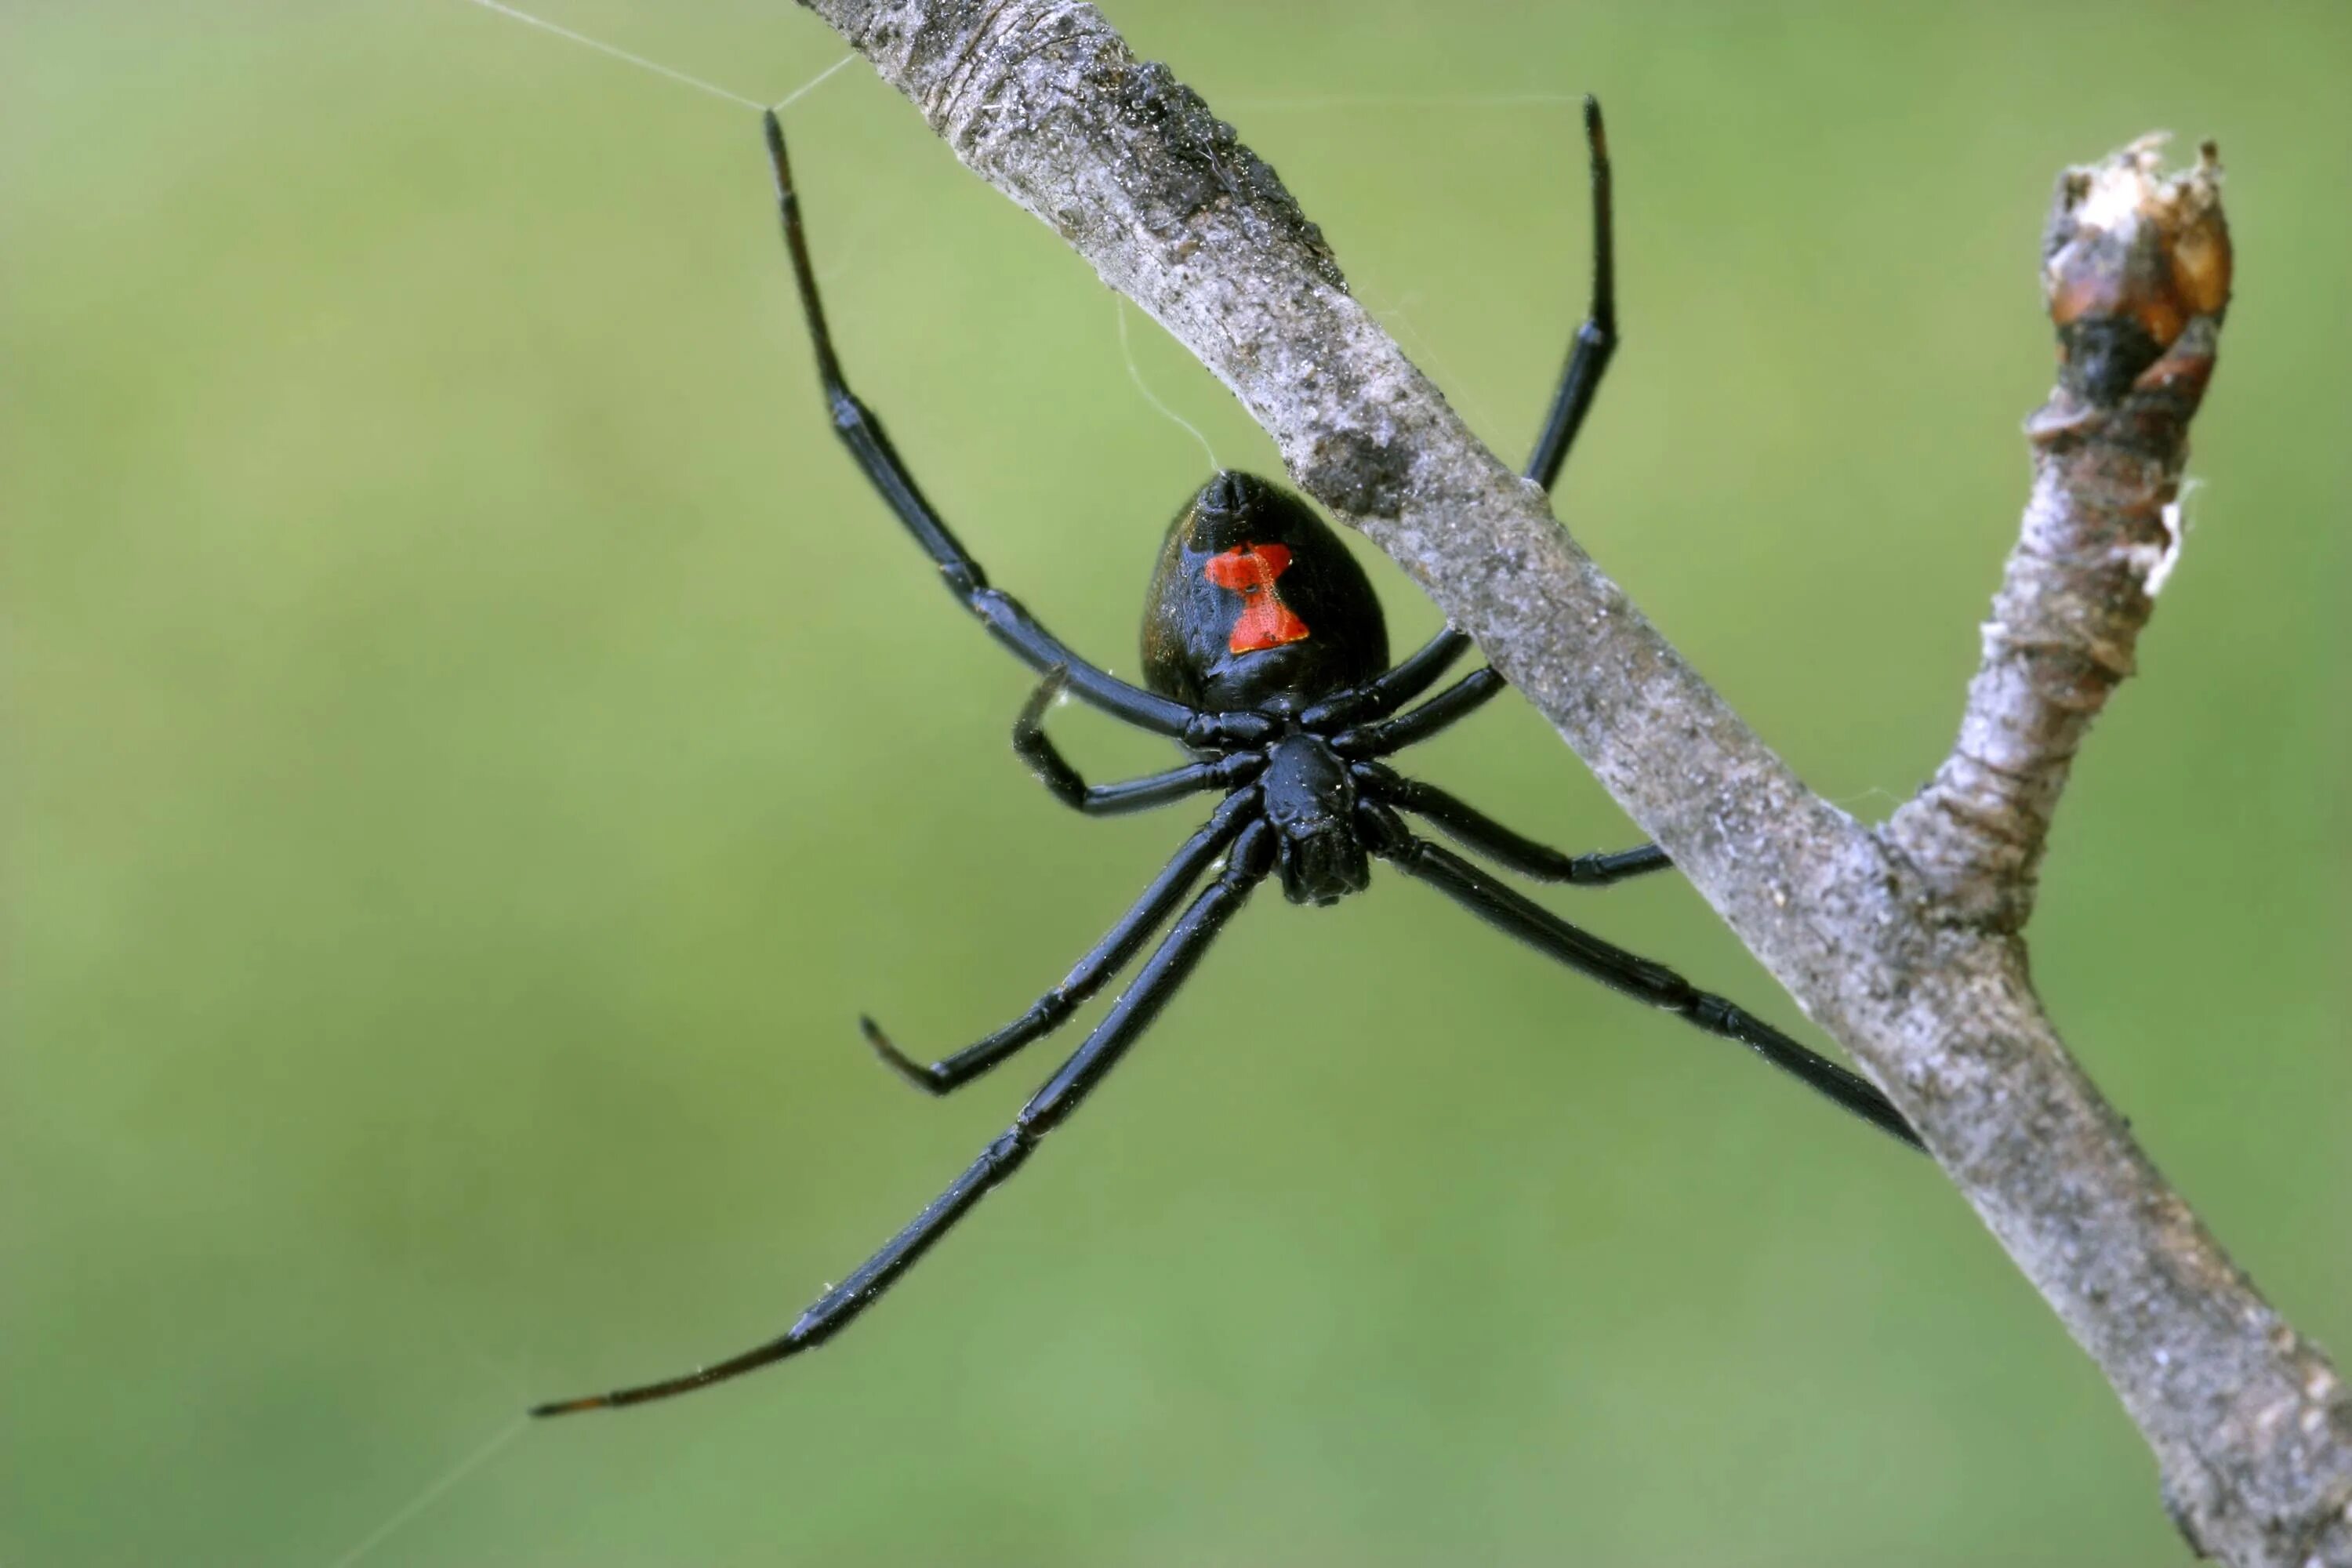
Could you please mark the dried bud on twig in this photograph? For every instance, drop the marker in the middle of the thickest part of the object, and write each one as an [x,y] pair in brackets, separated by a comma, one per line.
[2137,270]
[2135,267]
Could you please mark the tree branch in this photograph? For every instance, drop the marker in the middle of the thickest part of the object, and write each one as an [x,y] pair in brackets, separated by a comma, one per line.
[2138,274]
[1902,941]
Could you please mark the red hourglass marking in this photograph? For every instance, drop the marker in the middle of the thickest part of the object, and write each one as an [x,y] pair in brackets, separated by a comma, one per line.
[1250,569]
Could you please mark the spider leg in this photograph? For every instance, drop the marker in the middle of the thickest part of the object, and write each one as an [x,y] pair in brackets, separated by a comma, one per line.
[1596,339]
[1103,961]
[1473,829]
[1588,354]
[1400,684]
[1635,976]
[1054,771]
[1161,974]
[862,433]
[1457,702]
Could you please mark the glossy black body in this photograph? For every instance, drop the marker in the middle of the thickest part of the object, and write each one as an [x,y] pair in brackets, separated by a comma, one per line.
[1309,798]
[1188,620]
[1270,671]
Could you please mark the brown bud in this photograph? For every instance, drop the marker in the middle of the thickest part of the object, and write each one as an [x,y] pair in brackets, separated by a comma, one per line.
[2129,258]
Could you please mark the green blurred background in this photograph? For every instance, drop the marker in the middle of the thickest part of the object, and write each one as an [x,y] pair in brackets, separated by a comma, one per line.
[474,747]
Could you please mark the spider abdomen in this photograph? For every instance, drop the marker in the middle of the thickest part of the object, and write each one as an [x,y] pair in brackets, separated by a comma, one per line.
[1257,603]
[1310,799]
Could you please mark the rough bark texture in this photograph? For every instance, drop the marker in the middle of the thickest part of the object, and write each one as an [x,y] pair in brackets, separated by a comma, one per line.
[1902,941]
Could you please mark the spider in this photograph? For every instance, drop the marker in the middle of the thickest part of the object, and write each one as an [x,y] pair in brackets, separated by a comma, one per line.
[1265,657]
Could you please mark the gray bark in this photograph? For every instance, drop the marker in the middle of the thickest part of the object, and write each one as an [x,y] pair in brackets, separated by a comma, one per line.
[1903,940]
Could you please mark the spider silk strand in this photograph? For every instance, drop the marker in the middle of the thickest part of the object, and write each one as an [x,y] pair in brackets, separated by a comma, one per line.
[433,1493]
[656,67]
[1135,375]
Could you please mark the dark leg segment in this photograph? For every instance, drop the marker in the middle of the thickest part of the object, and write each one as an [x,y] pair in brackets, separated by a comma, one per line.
[837,1308]
[1469,827]
[1588,355]
[1457,702]
[1615,967]
[1105,960]
[1386,693]
[1054,770]
[862,433]
[1596,340]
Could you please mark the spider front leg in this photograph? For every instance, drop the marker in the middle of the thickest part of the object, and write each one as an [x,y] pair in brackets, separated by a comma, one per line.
[1592,348]
[1054,770]
[1596,339]
[1467,826]
[1457,702]
[1166,970]
[1636,976]
[862,433]
[1107,958]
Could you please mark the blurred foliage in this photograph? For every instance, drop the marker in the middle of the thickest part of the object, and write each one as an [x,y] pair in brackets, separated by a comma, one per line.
[474,747]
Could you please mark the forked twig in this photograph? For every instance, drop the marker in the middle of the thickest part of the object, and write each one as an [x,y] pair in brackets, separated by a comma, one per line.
[1903,941]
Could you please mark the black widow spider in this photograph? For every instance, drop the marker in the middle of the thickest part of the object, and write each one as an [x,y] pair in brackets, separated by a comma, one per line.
[1266,658]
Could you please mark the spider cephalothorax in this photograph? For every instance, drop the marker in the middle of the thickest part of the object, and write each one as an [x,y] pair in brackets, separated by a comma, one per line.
[1266,658]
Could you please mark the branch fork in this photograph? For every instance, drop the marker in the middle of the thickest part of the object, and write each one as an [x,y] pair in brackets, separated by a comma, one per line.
[2137,273]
